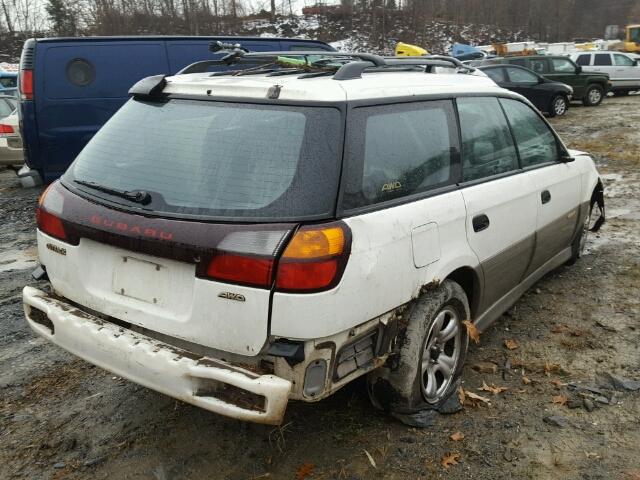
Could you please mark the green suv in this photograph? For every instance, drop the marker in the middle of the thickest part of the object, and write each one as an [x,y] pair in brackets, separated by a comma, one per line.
[590,87]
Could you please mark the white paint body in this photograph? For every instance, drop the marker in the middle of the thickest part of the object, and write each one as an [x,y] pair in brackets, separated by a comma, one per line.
[621,75]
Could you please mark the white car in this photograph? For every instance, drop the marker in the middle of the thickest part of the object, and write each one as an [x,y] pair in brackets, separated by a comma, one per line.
[623,68]
[237,241]
[11,141]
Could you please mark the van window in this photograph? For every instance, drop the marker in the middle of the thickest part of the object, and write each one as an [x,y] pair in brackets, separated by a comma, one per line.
[221,160]
[398,150]
[563,65]
[487,145]
[584,59]
[536,143]
[622,60]
[518,75]
[602,59]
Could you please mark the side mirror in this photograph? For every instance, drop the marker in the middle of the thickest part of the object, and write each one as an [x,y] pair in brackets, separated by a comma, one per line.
[635,63]
[566,158]
[578,69]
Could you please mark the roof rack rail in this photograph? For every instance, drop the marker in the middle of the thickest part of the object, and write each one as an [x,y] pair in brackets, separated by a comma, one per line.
[347,65]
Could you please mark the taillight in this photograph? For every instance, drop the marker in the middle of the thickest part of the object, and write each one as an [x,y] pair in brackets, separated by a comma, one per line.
[26,84]
[241,269]
[4,129]
[314,259]
[48,222]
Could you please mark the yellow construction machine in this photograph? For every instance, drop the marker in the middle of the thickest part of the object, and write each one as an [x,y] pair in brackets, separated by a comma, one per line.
[407,50]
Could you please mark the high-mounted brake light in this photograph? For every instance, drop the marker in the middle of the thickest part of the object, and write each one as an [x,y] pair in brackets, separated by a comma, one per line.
[26,84]
[314,259]
[5,129]
[48,222]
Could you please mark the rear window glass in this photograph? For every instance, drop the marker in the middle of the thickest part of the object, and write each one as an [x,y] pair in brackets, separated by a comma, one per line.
[398,150]
[9,82]
[220,160]
[602,59]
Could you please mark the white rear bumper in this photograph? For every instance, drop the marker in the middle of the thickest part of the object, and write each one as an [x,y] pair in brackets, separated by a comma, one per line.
[157,365]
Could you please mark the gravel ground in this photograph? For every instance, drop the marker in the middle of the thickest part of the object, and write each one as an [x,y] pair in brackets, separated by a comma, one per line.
[561,415]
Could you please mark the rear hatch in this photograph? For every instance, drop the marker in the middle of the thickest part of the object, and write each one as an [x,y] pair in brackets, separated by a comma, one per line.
[174,216]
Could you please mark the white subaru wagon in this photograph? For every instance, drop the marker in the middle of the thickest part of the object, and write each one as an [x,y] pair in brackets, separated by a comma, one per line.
[240,239]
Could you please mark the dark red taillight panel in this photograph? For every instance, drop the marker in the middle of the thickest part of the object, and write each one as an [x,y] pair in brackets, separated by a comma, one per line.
[50,224]
[26,84]
[5,129]
[242,269]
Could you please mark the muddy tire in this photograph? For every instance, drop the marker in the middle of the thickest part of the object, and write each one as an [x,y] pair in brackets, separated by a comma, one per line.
[558,107]
[594,96]
[580,242]
[424,369]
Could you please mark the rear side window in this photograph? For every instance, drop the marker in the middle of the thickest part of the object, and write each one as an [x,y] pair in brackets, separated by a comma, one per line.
[602,59]
[220,160]
[518,75]
[518,61]
[622,60]
[487,145]
[584,60]
[536,143]
[9,82]
[495,74]
[563,65]
[540,66]
[398,150]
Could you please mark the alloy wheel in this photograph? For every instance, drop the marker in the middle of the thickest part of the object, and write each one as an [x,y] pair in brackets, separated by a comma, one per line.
[560,106]
[440,355]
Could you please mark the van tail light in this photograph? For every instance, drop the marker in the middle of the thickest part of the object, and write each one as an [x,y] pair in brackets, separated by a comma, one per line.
[6,129]
[314,259]
[26,84]
[48,222]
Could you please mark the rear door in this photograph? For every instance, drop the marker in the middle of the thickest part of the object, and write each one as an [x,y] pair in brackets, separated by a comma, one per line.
[500,202]
[80,85]
[526,84]
[556,184]
[625,72]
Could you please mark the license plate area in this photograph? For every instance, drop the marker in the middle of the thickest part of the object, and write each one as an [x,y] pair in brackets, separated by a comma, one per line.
[141,280]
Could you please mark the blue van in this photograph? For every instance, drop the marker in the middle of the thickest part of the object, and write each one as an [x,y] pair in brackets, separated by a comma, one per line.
[69,87]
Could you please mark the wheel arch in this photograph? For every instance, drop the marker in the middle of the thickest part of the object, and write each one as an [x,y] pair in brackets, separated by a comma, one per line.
[470,281]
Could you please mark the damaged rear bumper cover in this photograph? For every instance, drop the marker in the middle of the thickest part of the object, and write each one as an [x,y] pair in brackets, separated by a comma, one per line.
[204,382]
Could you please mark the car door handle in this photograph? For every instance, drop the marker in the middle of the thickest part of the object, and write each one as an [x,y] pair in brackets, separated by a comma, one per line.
[545,196]
[480,222]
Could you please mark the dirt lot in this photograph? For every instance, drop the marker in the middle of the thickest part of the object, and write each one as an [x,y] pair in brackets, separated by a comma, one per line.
[560,417]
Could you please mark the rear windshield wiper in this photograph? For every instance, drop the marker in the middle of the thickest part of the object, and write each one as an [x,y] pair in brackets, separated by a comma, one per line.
[137,196]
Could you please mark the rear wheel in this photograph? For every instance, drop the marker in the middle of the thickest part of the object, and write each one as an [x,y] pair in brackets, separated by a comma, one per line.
[559,105]
[594,96]
[429,357]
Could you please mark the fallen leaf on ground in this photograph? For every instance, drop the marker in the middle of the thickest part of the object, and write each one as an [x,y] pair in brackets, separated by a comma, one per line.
[371,461]
[474,397]
[485,367]
[456,437]
[472,331]
[594,455]
[511,344]
[557,383]
[550,367]
[493,389]
[450,459]
[461,395]
[560,329]
[576,333]
[526,380]
[304,471]
[560,399]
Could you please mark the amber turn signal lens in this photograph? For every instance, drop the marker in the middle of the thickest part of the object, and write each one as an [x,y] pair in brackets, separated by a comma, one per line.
[315,243]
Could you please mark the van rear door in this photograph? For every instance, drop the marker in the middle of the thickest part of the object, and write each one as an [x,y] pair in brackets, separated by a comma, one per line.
[80,85]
